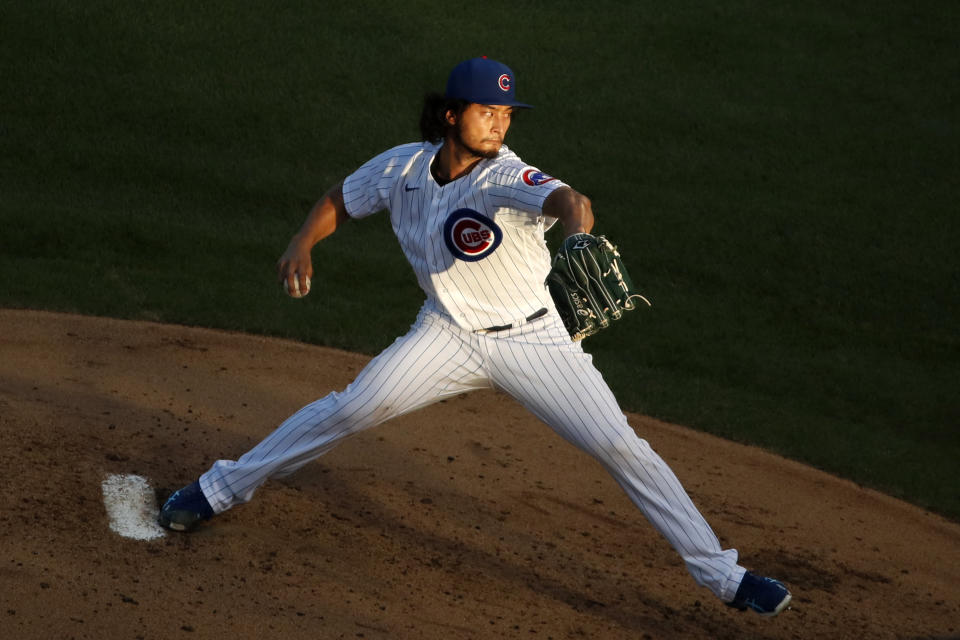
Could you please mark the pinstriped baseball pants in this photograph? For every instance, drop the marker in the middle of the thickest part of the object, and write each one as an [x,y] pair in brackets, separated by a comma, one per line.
[537,364]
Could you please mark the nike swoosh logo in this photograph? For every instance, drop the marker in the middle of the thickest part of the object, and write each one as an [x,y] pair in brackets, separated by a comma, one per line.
[407,187]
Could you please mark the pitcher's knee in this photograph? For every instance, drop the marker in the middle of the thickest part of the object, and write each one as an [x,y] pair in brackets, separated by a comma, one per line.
[625,447]
[338,415]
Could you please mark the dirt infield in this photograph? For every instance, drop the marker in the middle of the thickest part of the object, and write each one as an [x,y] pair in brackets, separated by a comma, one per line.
[468,520]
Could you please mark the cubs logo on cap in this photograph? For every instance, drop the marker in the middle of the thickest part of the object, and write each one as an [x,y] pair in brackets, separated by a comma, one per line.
[535,178]
[470,235]
[484,81]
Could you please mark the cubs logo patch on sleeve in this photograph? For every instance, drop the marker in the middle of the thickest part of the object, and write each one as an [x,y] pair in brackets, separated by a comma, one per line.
[535,178]
[470,235]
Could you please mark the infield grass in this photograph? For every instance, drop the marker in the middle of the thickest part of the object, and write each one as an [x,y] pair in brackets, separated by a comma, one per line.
[782,179]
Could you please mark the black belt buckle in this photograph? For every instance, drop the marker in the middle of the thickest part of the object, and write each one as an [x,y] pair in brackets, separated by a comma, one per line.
[539,313]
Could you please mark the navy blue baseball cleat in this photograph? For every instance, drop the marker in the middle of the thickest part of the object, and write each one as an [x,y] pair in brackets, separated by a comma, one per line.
[185,509]
[766,596]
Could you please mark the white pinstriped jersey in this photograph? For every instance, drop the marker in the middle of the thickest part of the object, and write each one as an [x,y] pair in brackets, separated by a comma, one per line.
[476,244]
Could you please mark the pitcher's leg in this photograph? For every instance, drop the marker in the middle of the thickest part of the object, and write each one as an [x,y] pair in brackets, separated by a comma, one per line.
[563,388]
[422,367]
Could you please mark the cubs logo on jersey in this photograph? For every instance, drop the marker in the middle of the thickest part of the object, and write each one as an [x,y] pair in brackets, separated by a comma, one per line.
[470,235]
[535,178]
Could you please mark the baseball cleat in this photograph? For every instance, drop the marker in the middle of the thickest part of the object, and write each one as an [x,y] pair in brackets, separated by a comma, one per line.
[766,596]
[185,509]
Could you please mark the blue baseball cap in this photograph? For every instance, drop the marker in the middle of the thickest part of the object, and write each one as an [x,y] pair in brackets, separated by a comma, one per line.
[483,81]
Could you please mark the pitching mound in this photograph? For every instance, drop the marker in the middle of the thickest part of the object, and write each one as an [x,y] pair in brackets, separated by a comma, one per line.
[468,520]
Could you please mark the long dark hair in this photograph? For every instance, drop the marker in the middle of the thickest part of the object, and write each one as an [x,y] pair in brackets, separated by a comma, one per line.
[433,117]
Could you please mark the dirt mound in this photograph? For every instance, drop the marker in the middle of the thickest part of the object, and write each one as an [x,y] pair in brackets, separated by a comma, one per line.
[469,519]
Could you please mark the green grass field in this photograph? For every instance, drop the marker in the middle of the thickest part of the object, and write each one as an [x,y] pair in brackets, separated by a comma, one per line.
[780,177]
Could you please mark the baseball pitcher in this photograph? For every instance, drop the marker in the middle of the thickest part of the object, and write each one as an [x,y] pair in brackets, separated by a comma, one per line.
[499,312]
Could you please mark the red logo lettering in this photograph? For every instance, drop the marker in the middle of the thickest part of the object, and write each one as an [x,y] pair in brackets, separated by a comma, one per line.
[471,236]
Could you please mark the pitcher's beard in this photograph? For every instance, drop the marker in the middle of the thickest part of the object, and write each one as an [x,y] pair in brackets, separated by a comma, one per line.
[480,153]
